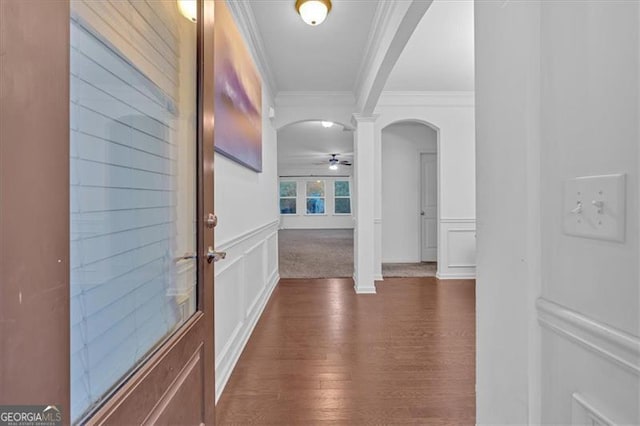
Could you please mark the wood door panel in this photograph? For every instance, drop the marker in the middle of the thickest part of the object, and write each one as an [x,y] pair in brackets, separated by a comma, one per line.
[178,406]
[144,395]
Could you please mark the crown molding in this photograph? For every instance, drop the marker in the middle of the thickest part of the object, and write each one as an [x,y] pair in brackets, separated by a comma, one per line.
[433,99]
[246,21]
[317,98]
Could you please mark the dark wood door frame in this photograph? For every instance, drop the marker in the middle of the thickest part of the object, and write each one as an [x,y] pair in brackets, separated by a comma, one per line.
[34,228]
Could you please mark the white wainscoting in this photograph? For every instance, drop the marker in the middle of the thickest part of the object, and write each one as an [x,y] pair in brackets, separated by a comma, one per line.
[243,284]
[614,345]
[591,369]
[457,249]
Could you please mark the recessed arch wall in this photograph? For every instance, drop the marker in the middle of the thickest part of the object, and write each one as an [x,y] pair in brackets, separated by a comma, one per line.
[293,108]
[402,145]
[452,116]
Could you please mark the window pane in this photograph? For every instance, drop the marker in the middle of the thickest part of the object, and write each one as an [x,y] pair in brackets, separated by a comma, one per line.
[133,188]
[343,205]
[287,206]
[315,189]
[342,188]
[315,205]
[287,189]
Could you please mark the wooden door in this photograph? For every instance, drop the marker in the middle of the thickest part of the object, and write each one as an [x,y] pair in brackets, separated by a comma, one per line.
[154,89]
[107,185]
[429,209]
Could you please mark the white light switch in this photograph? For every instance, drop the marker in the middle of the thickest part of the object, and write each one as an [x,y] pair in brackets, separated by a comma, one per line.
[594,207]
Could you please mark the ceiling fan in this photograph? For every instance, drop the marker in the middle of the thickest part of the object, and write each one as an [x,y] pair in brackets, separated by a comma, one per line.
[334,162]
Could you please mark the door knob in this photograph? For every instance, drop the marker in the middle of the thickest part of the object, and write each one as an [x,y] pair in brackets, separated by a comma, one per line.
[421,213]
[211,221]
[215,256]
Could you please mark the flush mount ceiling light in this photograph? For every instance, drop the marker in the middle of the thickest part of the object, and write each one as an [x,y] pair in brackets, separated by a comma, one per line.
[189,9]
[313,12]
[327,124]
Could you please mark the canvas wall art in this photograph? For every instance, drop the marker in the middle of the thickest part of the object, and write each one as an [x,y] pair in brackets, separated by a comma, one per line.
[238,94]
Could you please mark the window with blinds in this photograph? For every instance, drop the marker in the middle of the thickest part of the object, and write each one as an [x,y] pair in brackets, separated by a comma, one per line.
[133,152]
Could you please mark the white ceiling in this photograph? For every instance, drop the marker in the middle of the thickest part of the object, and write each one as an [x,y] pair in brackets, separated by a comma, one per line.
[322,58]
[440,54]
[305,148]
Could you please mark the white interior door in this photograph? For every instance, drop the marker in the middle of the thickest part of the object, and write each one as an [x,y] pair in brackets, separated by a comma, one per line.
[429,207]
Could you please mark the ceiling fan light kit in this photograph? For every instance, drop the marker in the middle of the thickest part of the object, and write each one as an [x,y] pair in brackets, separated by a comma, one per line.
[313,12]
[334,162]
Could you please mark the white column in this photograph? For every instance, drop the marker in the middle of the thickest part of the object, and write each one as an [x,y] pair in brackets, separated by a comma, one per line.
[364,185]
[377,210]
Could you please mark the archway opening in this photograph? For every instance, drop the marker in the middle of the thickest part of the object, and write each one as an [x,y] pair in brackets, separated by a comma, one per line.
[315,168]
[410,188]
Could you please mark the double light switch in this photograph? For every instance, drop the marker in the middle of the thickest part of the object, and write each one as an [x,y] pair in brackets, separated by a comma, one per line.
[594,207]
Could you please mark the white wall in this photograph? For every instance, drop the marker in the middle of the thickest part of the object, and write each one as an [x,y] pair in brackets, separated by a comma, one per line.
[248,217]
[507,91]
[329,220]
[589,126]
[557,95]
[452,114]
[294,107]
[402,144]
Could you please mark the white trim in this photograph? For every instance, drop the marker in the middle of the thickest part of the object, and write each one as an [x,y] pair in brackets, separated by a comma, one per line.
[246,21]
[378,277]
[612,344]
[455,276]
[433,99]
[367,290]
[457,220]
[238,340]
[381,20]
[225,245]
[583,412]
[459,231]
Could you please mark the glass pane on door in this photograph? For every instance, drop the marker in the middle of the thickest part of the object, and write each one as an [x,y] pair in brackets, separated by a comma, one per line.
[133,187]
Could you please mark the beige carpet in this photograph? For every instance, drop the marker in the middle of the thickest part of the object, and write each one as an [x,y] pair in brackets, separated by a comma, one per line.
[328,253]
[316,253]
[403,270]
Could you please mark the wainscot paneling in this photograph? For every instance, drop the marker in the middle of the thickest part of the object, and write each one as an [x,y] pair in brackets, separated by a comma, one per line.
[243,284]
[457,249]
[614,345]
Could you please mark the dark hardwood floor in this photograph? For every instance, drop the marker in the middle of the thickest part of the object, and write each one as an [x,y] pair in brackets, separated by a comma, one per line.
[321,354]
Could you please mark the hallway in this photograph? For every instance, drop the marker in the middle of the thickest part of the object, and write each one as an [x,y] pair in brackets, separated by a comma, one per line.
[322,354]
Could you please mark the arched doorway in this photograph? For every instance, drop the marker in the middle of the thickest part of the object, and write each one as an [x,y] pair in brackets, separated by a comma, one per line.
[410,189]
[315,163]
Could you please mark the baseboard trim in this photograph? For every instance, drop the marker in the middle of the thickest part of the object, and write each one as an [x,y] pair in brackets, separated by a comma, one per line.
[367,290]
[230,355]
[446,276]
[378,278]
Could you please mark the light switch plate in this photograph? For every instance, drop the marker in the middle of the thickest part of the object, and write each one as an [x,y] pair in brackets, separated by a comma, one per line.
[594,207]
